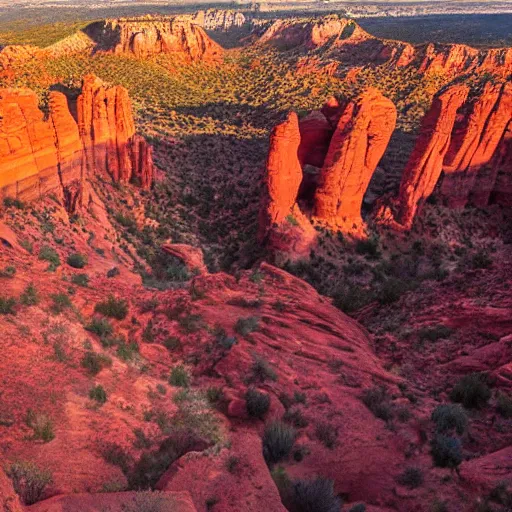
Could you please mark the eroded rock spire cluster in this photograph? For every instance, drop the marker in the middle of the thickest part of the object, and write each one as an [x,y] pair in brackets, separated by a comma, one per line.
[59,153]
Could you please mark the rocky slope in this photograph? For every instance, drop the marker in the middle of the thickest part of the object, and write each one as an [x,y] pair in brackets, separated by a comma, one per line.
[58,155]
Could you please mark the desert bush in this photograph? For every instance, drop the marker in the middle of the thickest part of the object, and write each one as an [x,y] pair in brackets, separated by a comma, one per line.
[100,326]
[29,297]
[314,496]
[391,290]
[41,425]
[113,308]
[504,405]
[449,417]
[76,260]
[376,399]
[7,306]
[179,377]
[60,302]
[257,403]
[278,441]
[8,271]
[446,451]
[80,280]
[117,456]
[245,326]
[327,434]
[47,253]
[94,363]
[232,464]
[125,351]
[215,395]
[369,248]
[98,393]
[29,481]
[262,371]
[350,297]
[295,417]
[471,391]
[11,202]
[411,478]
[172,343]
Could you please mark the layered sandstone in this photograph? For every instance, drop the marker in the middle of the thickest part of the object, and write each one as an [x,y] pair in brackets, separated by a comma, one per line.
[469,167]
[57,154]
[144,37]
[360,139]
[426,161]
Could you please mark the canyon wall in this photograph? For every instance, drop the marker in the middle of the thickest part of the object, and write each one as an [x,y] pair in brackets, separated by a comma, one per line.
[57,153]
[219,19]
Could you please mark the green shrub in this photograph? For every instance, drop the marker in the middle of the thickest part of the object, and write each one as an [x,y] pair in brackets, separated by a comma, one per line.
[100,326]
[7,306]
[80,280]
[113,308]
[41,425]
[127,351]
[29,481]
[61,301]
[257,403]
[327,434]
[94,363]
[278,441]
[117,456]
[392,289]
[471,391]
[411,478]
[179,377]
[14,202]
[215,395]
[29,297]
[295,417]
[504,405]
[262,371]
[172,343]
[376,399]
[449,417]
[98,393]
[369,248]
[350,297]
[245,326]
[480,260]
[446,451]
[314,496]
[9,272]
[76,260]
[46,253]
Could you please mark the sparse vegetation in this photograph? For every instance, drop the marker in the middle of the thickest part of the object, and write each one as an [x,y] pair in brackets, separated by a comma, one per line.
[471,391]
[446,451]
[113,308]
[257,403]
[47,253]
[29,297]
[449,418]
[41,425]
[29,481]
[76,260]
[7,306]
[98,394]
[179,377]
[278,441]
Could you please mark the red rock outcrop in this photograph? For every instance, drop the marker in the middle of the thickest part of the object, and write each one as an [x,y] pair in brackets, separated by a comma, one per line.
[191,256]
[469,166]
[9,501]
[426,162]
[282,225]
[360,139]
[148,36]
[58,154]
[219,19]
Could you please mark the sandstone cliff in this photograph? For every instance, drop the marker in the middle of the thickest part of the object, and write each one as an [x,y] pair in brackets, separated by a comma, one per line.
[58,154]
[360,139]
[144,37]
[426,162]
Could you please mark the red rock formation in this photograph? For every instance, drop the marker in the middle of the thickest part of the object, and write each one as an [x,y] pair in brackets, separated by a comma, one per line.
[148,36]
[469,167]
[38,156]
[454,58]
[360,139]
[425,164]
[282,225]
[9,501]
[315,135]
